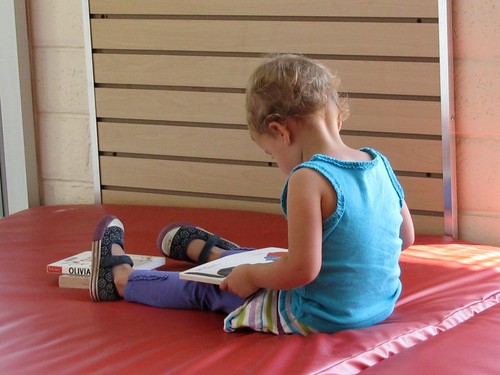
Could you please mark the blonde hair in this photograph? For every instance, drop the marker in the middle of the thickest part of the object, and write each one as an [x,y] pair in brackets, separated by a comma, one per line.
[290,85]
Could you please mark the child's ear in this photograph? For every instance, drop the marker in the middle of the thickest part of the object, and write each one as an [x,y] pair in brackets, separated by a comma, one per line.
[280,130]
[274,127]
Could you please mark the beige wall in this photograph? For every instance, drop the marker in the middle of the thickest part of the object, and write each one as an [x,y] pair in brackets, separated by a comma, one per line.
[477,105]
[63,122]
[62,111]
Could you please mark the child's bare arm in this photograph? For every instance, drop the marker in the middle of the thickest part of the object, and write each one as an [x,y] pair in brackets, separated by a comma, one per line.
[303,262]
[406,232]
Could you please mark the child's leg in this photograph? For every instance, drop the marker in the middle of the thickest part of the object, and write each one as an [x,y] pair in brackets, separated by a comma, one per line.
[165,289]
[112,278]
[189,243]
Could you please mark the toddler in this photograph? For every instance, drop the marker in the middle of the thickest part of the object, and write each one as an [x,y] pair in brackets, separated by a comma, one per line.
[346,215]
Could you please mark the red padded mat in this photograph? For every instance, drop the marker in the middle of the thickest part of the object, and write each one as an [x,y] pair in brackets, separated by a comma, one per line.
[47,329]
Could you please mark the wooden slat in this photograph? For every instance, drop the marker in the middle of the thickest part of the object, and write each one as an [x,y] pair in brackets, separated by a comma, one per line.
[132,197]
[394,116]
[322,8]
[405,154]
[226,179]
[415,155]
[387,77]
[398,116]
[202,107]
[424,194]
[372,77]
[228,144]
[372,39]
[428,224]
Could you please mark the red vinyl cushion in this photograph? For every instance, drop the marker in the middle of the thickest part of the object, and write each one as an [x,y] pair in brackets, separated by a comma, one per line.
[47,329]
[469,348]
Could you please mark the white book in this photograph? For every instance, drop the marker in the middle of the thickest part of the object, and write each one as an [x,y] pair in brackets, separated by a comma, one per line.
[215,271]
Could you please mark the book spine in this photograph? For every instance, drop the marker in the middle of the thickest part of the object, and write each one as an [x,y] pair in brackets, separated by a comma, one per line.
[69,270]
[74,282]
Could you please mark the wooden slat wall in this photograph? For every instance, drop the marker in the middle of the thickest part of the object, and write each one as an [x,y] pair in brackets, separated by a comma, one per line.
[170,79]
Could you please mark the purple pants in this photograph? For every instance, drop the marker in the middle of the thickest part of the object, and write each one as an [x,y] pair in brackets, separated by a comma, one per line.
[165,289]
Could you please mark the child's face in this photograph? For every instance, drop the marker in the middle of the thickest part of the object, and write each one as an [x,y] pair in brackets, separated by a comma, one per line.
[278,149]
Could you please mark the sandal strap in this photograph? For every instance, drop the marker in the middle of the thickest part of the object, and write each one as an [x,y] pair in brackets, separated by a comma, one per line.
[115,260]
[207,248]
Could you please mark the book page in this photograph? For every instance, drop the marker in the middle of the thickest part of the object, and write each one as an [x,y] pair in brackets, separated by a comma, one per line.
[214,272]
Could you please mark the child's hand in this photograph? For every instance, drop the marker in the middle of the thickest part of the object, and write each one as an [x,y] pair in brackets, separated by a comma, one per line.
[239,282]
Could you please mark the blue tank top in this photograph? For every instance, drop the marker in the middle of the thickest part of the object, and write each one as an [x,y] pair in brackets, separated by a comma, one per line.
[358,284]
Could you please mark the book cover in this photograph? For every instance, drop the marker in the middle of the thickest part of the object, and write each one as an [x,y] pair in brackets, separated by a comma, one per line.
[214,272]
[79,264]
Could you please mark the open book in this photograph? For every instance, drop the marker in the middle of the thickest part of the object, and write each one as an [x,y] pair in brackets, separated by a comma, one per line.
[214,272]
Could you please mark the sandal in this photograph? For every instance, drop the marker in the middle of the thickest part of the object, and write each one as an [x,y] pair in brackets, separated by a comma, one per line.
[108,231]
[174,239]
